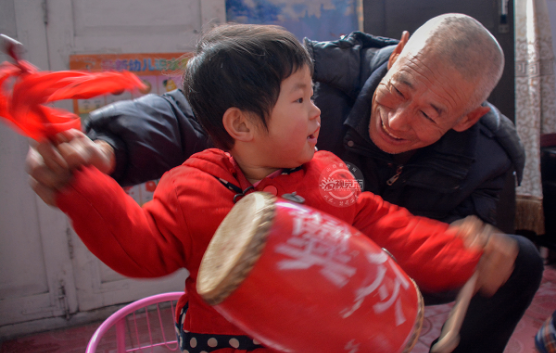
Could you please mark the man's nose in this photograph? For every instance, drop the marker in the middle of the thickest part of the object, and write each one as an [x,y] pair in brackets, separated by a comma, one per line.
[399,119]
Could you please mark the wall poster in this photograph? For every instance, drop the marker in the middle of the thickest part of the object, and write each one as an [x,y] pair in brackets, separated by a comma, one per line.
[317,19]
[161,72]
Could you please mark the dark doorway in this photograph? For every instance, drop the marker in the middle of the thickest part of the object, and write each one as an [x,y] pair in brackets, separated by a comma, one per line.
[390,18]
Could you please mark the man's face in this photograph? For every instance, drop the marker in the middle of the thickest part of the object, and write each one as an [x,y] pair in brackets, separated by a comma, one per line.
[416,103]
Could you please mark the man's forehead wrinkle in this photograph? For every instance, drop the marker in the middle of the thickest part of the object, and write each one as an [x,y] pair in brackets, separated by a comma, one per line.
[438,81]
[426,74]
[418,67]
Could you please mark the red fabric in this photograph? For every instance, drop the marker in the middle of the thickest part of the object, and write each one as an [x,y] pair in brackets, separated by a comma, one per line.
[174,229]
[23,107]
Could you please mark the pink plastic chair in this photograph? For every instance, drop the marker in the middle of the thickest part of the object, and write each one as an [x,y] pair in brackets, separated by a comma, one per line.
[142,322]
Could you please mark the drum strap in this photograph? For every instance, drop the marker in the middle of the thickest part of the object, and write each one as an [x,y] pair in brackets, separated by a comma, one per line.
[234,188]
[241,193]
[198,342]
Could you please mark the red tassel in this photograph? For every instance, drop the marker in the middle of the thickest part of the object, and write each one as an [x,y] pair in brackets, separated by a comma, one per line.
[24,110]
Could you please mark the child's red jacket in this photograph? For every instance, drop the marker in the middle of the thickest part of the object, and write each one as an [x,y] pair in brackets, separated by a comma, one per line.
[174,229]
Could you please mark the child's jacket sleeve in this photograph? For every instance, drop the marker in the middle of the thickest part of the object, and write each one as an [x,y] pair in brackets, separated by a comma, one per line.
[134,241]
[434,258]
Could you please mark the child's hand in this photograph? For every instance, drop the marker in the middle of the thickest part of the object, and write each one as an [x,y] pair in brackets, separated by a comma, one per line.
[497,263]
[50,164]
[499,252]
[79,150]
[474,232]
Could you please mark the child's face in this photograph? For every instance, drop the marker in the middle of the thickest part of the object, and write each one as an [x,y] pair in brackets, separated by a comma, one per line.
[294,124]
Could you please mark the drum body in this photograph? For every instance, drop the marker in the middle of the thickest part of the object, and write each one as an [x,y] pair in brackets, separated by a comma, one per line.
[299,280]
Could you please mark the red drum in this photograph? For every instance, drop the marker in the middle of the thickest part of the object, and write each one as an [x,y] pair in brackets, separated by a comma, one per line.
[299,280]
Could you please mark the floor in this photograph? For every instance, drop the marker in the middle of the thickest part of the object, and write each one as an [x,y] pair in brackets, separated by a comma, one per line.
[75,340]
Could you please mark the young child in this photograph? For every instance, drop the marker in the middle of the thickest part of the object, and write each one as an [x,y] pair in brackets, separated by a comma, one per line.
[250,87]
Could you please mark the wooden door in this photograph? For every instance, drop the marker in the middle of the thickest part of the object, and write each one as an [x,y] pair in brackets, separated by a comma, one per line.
[123,26]
[48,278]
[36,274]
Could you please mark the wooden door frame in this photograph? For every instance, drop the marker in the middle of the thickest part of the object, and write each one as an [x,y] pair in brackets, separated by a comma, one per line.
[39,311]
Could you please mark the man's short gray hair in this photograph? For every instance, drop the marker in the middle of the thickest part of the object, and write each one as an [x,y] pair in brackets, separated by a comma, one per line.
[466,45]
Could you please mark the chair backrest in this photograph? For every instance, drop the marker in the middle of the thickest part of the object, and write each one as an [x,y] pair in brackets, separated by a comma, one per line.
[147,323]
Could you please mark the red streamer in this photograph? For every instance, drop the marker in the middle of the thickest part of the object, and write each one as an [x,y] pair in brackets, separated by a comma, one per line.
[23,107]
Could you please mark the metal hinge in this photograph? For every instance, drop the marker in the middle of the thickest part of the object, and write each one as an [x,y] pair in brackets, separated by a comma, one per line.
[71,250]
[44,6]
[503,26]
[64,305]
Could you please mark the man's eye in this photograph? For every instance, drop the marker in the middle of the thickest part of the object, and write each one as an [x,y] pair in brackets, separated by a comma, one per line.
[397,91]
[427,117]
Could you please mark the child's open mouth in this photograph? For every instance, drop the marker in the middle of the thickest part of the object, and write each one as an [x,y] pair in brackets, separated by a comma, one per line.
[313,137]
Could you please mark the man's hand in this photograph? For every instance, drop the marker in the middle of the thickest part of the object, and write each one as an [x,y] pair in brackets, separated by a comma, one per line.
[50,164]
[499,252]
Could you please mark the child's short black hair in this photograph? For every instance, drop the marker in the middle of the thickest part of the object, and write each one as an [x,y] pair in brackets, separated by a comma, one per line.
[240,66]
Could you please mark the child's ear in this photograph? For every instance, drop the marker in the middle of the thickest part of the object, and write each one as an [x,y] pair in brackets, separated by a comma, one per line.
[237,124]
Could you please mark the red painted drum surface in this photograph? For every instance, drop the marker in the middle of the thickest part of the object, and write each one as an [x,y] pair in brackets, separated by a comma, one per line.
[299,280]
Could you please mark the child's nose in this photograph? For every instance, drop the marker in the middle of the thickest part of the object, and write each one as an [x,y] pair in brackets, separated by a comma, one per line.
[315,111]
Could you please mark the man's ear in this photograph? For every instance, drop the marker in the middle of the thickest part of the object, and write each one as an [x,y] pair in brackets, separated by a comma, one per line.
[398,50]
[470,119]
[237,124]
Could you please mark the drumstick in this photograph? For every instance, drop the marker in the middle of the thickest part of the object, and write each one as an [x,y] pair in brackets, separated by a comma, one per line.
[449,337]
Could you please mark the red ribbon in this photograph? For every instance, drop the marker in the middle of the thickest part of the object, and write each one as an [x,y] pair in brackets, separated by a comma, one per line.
[23,107]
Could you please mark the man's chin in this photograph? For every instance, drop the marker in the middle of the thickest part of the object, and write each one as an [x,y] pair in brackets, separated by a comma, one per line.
[386,147]
[390,151]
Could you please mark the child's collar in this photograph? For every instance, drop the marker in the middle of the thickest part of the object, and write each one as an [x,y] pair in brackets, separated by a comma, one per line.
[244,183]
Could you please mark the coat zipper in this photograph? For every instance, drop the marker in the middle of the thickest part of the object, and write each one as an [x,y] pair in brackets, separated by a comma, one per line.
[395,177]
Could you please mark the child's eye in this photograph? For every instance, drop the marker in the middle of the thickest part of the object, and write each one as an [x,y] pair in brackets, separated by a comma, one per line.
[300,100]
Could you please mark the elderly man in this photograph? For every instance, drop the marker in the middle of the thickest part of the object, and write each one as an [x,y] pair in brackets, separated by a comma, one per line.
[409,115]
